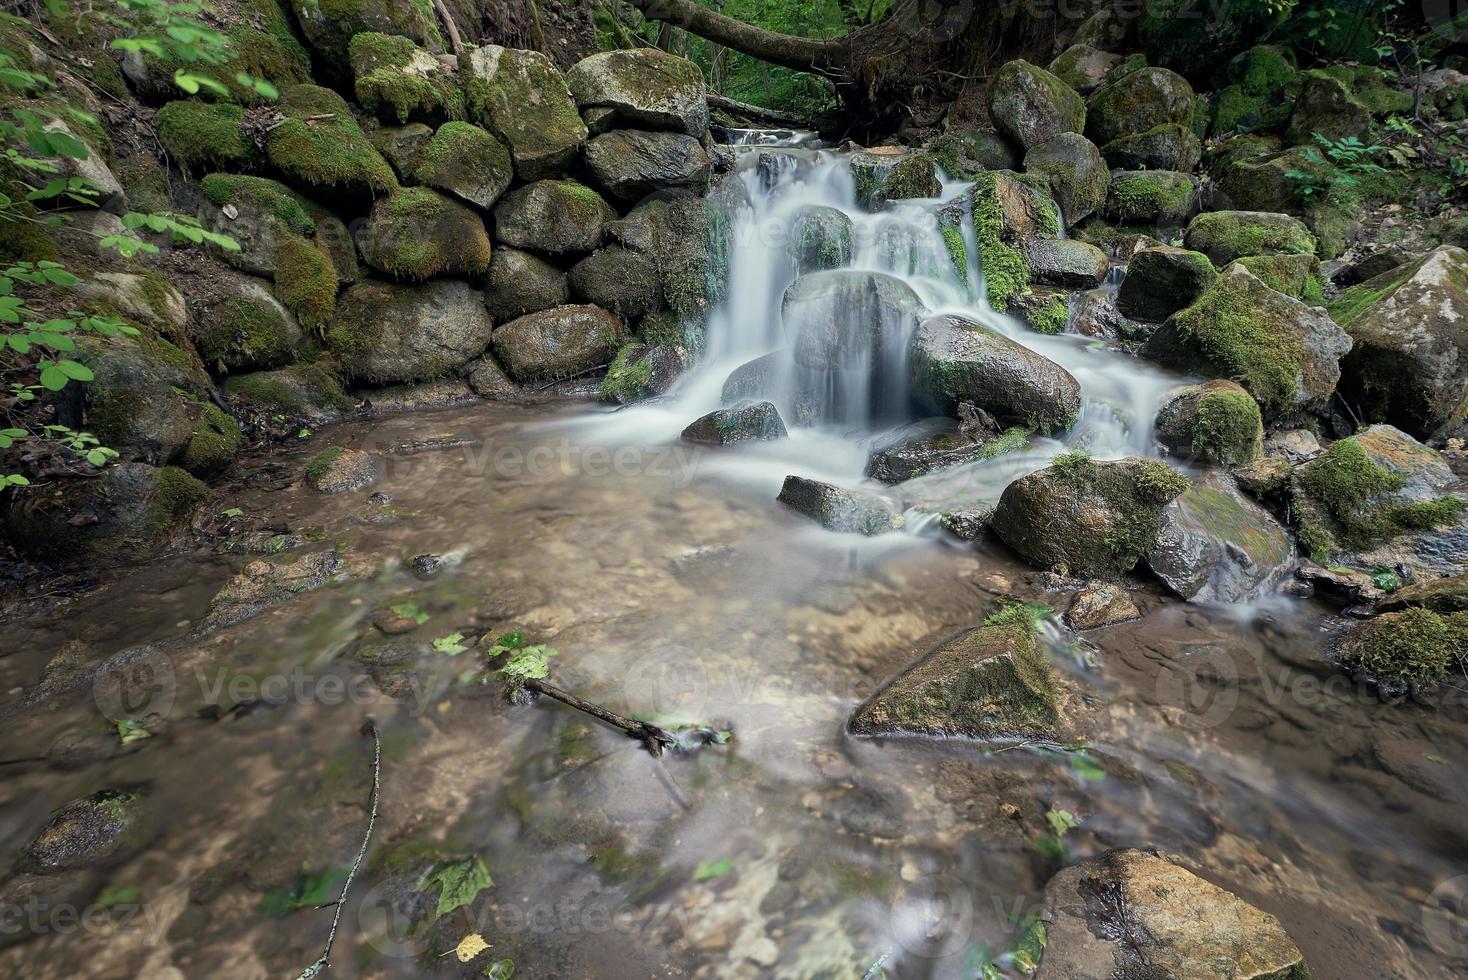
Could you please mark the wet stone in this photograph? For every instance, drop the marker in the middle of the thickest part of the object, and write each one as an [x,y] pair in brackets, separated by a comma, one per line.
[759,421]
[839,509]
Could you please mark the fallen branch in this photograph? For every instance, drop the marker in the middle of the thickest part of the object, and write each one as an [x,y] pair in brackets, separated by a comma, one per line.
[319,967]
[456,42]
[653,738]
[756,113]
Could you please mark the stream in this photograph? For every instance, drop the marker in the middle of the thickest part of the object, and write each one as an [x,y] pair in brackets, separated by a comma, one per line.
[674,587]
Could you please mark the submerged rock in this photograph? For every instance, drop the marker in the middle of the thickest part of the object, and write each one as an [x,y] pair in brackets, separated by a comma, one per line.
[839,509]
[939,444]
[1135,914]
[991,682]
[846,319]
[558,343]
[1100,604]
[953,360]
[337,470]
[262,584]
[1216,546]
[759,421]
[1096,518]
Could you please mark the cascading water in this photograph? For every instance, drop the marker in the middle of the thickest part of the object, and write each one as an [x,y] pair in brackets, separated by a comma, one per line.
[819,302]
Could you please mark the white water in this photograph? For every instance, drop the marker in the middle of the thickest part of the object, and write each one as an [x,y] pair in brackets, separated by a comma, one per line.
[1120,393]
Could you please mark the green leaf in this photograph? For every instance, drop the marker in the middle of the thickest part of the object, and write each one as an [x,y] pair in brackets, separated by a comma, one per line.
[1061,821]
[131,731]
[52,377]
[115,895]
[232,512]
[529,662]
[74,370]
[459,884]
[308,891]
[453,644]
[500,970]
[713,869]
[411,610]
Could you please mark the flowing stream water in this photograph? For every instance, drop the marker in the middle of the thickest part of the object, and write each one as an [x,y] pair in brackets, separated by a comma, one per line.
[673,586]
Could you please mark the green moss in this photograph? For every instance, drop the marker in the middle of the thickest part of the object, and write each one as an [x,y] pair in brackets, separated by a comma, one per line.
[957,248]
[174,499]
[1142,197]
[662,329]
[146,183]
[1416,646]
[415,231]
[1051,318]
[273,54]
[26,241]
[320,464]
[1359,298]
[275,199]
[1011,440]
[394,73]
[206,134]
[297,390]
[305,281]
[244,332]
[1005,269]
[215,442]
[1228,328]
[626,382]
[320,144]
[1292,275]
[461,153]
[912,177]
[1159,483]
[1234,236]
[1228,429]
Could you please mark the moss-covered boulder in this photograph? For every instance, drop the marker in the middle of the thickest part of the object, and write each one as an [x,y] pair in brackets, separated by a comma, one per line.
[146,298]
[630,164]
[1029,105]
[1402,651]
[1083,67]
[519,283]
[1162,280]
[953,360]
[1284,352]
[131,513]
[673,228]
[618,279]
[1043,309]
[1170,146]
[642,371]
[750,422]
[241,326]
[260,41]
[914,176]
[966,154]
[820,239]
[1009,212]
[1227,235]
[870,169]
[320,148]
[523,98]
[215,442]
[1193,928]
[1096,518]
[142,398]
[396,80]
[1257,97]
[384,333]
[1078,176]
[553,216]
[1164,198]
[1326,106]
[330,25]
[1376,485]
[558,343]
[262,216]
[1137,102]
[417,233]
[403,146]
[1213,422]
[1409,365]
[205,136]
[645,87]
[467,162]
[838,508]
[1217,546]
[310,393]
[991,682]
[1067,263]
[1294,275]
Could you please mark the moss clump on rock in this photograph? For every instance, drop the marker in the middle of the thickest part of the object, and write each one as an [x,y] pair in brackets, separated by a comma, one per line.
[1153,197]
[914,176]
[269,196]
[246,331]
[320,146]
[1293,275]
[417,233]
[1415,647]
[626,382]
[206,135]
[1227,235]
[305,281]
[320,464]
[303,390]
[392,73]
[1228,428]
[466,161]
[215,443]
[1005,268]
[1052,317]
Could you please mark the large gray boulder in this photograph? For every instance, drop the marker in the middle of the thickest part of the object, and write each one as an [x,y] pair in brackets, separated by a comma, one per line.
[1136,914]
[1227,235]
[1164,198]
[1029,105]
[1137,102]
[1067,263]
[1409,365]
[521,283]
[1078,176]
[991,682]
[552,216]
[133,402]
[241,326]
[1171,146]
[1092,518]
[953,360]
[392,334]
[1162,280]
[1327,107]
[1083,67]
[618,279]
[522,97]
[467,162]
[630,164]
[1217,546]
[644,87]
[558,343]
[1285,353]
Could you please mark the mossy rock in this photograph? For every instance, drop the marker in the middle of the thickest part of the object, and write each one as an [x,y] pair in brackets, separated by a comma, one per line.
[266,213]
[1285,353]
[245,328]
[1083,67]
[618,279]
[914,176]
[395,334]
[1327,107]
[416,233]
[309,392]
[1161,198]
[1078,176]
[206,135]
[645,87]
[1067,262]
[992,682]
[1096,518]
[330,25]
[1258,98]
[1293,275]
[965,155]
[820,239]
[320,147]
[1137,102]
[1250,182]
[1213,422]
[261,43]
[523,98]
[214,444]
[306,281]
[630,164]
[1409,365]
[133,403]
[1227,235]
[132,513]
[558,343]
[1217,546]
[838,509]
[1008,214]
[641,371]
[403,146]
[553,216]
[1183,36]
[1399,651]
[1029,105]
[675,229]
[1170,146]
[467,162]
[396,80]
[519,283]
[1162,280]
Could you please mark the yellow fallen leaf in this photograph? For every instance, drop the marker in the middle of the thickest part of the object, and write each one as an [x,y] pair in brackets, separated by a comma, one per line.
[470,946]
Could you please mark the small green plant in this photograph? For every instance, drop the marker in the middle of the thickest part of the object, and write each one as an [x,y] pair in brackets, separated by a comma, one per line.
[527,662]
[1336,166]
[452,645]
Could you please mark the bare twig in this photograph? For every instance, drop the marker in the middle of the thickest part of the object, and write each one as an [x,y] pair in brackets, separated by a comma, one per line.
[319,967]
[653,738]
